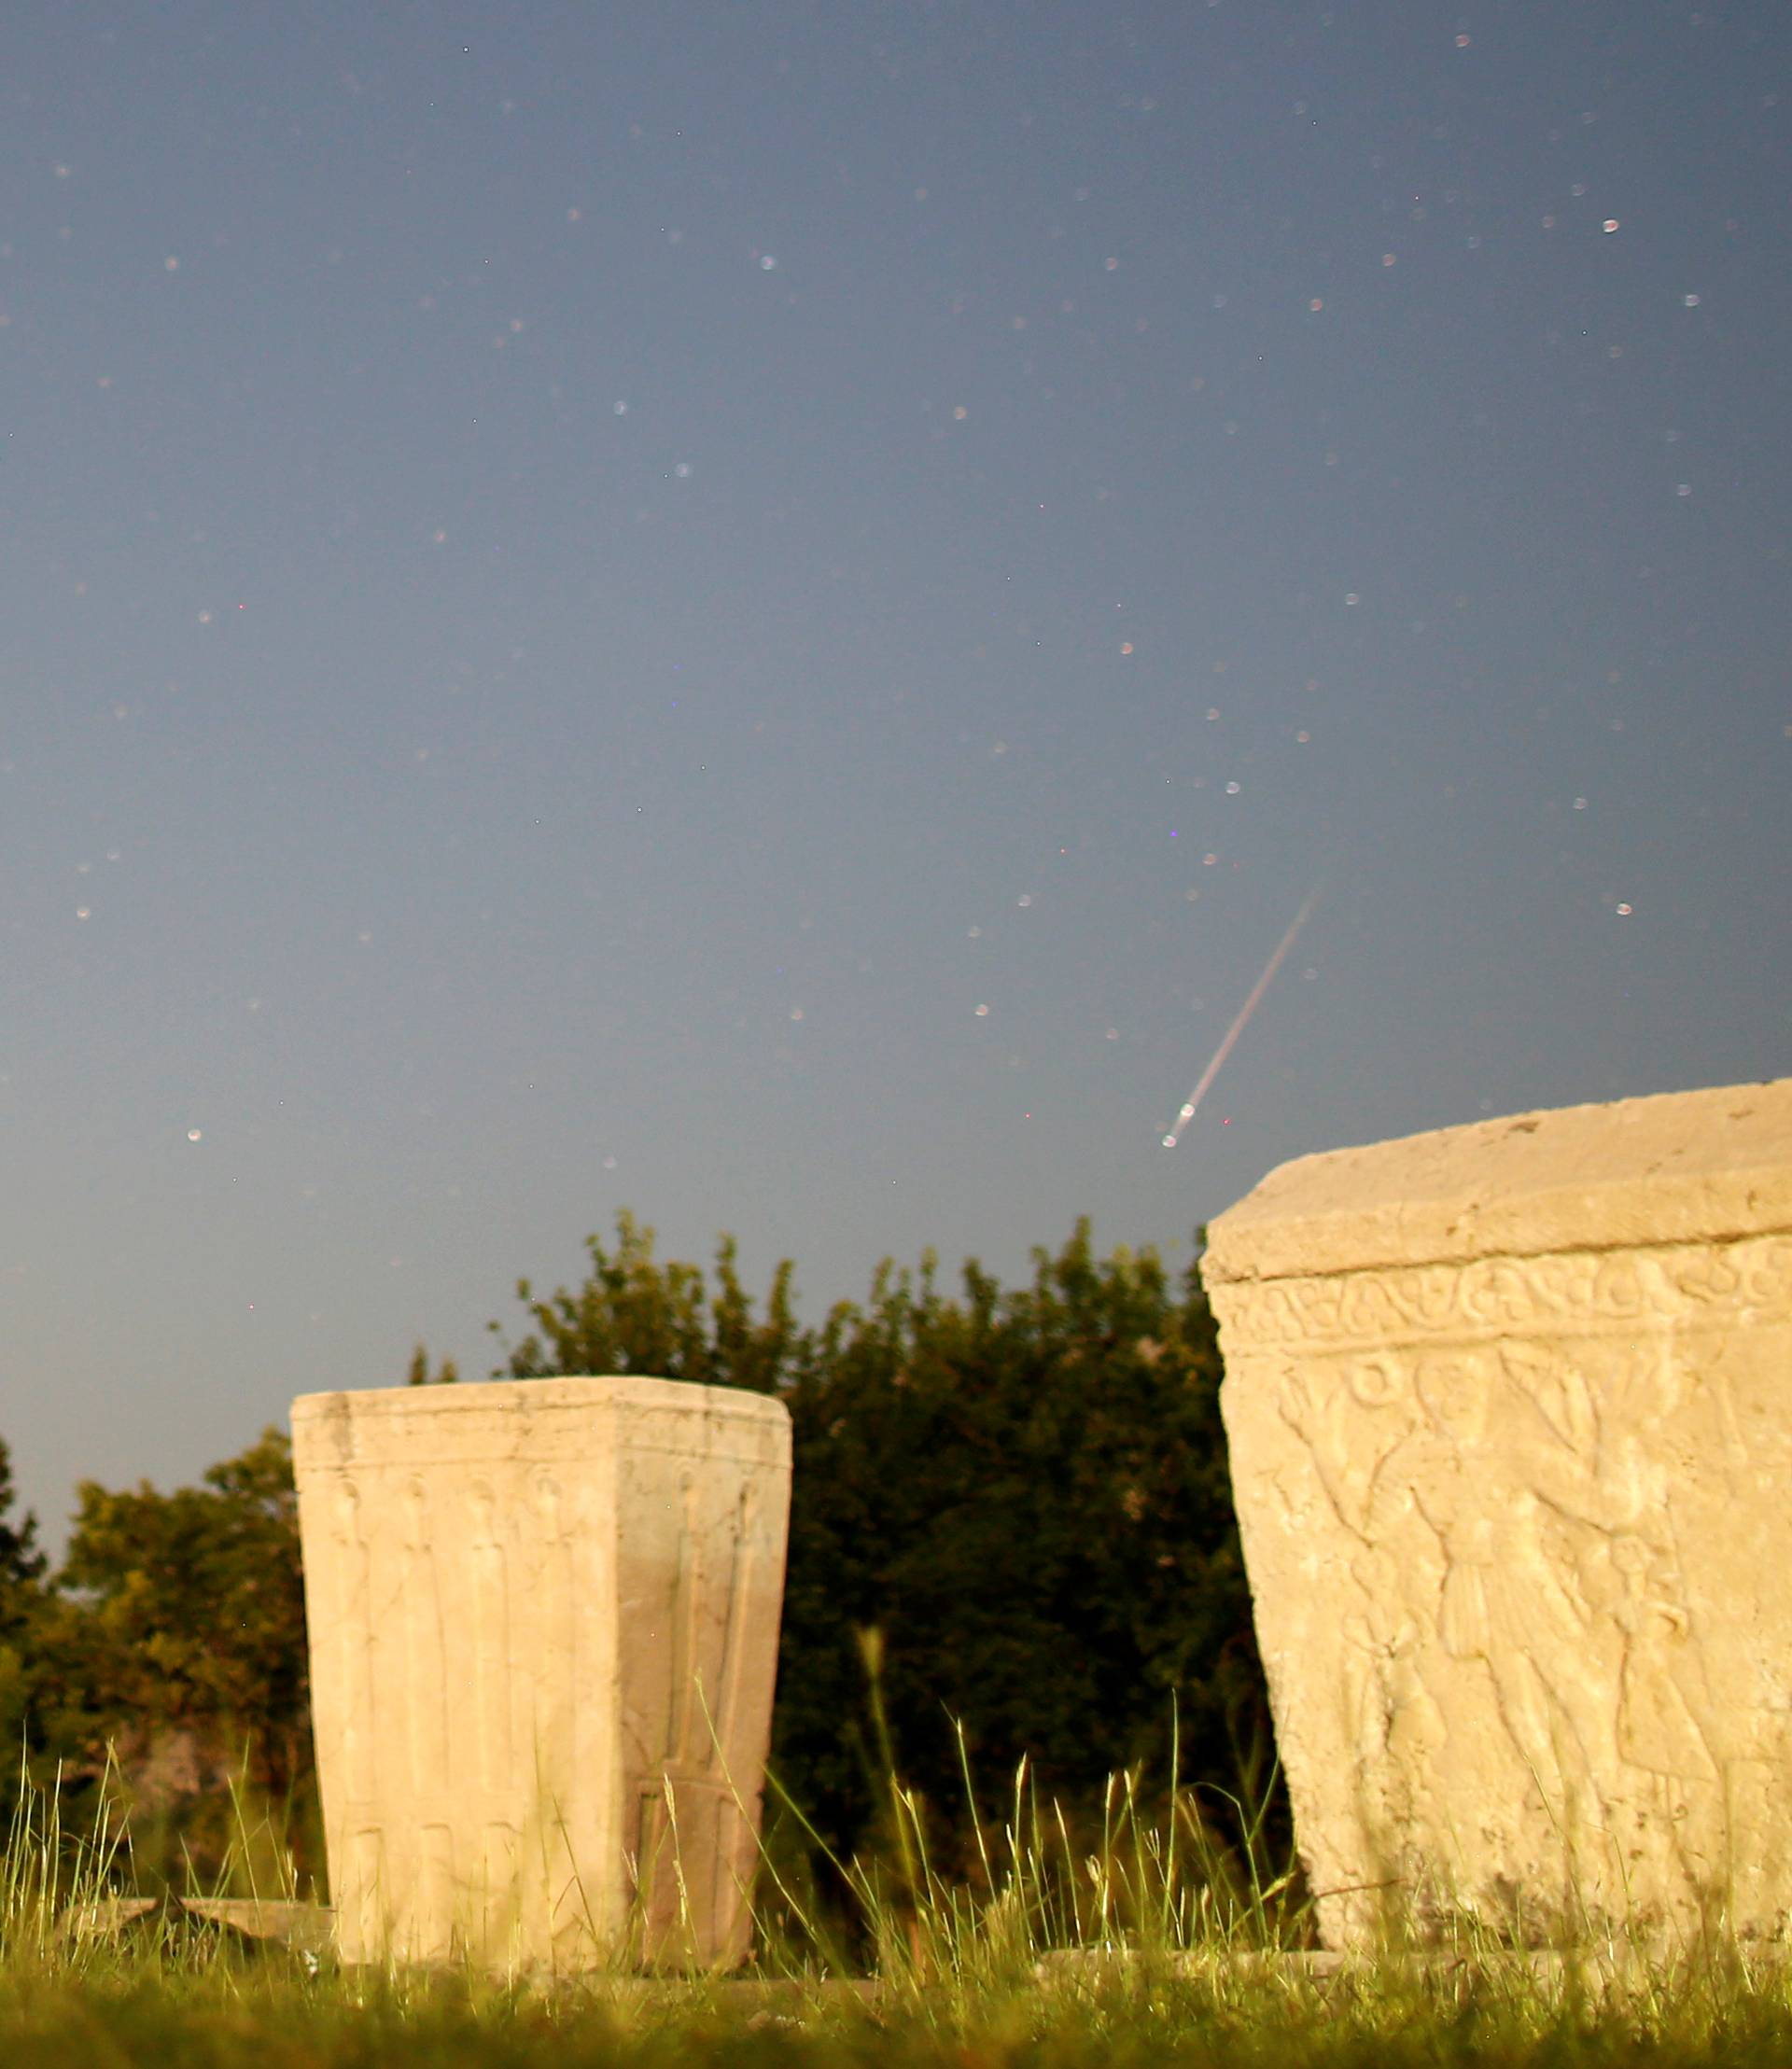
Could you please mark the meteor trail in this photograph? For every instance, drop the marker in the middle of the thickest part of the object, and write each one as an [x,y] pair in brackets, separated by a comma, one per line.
[1236,1028]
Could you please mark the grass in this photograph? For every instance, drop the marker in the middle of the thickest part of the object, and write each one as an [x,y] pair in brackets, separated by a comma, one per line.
[1147,1942]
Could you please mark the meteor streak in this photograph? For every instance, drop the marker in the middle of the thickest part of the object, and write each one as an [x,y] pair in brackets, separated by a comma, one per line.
[1236,1028]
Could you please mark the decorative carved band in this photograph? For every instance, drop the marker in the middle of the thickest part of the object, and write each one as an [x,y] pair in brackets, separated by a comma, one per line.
[1665,1285]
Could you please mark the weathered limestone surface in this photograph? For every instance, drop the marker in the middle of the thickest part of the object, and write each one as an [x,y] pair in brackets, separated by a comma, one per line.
[544,1622]
[1510,1418]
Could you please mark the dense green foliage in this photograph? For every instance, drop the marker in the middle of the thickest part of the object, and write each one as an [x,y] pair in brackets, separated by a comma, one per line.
[190,1612]
[21,1564]
[1014,1504]
[1011,1514]
[168,1659]
[21,1571]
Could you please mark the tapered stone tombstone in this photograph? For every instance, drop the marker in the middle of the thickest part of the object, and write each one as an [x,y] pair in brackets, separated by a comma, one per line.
[543,1623]
[1510,1417]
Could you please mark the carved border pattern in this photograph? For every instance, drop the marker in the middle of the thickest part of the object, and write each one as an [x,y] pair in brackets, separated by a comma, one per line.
[1663,1284]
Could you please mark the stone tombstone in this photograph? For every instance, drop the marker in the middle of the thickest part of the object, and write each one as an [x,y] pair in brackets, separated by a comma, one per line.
[543,1624]
[1509,1409]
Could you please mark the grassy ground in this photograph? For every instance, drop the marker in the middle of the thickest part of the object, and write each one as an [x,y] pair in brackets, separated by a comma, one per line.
[1152,1948]
[229,2011]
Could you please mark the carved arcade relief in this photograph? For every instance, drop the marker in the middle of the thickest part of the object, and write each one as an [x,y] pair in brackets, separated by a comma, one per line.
[544,1623]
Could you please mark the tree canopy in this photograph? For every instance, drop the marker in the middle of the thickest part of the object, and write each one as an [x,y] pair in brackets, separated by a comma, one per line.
[21,1571]
[1014,1503]
[1023,1494]
[171,1651]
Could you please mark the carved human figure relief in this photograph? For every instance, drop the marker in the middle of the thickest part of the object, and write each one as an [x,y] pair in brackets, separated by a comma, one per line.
[688,1606]
[1668,1726]
[355,1642]
[1390,1728]
[1503,1602]
[1664,1708]
[553,1680]
[425,1680]
[1391,1710]
[742,1604]
[493,1666]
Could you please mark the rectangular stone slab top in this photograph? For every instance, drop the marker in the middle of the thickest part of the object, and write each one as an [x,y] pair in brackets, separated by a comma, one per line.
[1686,1166]
[1508,1415]
[519,1419]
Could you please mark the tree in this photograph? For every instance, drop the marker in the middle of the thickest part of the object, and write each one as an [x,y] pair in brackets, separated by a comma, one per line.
[634,1314]
[1027,1497]
[181,1624]
[1016,1503]
[22,1598]
[1024,1495]
[23,1566]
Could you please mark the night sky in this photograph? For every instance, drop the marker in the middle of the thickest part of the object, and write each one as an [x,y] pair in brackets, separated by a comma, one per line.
[766,612]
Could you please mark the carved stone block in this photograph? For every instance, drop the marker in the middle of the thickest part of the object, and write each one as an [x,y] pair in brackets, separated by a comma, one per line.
[1509,1409]
[543,1625]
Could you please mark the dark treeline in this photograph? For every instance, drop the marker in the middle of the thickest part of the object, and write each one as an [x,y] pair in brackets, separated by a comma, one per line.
[1011,1513]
